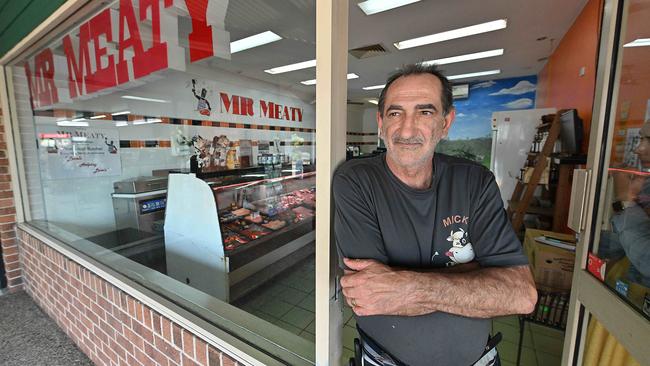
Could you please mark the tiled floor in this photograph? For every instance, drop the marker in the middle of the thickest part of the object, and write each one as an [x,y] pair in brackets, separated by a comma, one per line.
[288,301]
[542,346]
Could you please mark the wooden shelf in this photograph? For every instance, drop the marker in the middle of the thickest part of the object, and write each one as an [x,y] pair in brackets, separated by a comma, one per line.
[533,210]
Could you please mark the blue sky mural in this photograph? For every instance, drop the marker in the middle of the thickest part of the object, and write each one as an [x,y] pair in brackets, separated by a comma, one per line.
[474,114]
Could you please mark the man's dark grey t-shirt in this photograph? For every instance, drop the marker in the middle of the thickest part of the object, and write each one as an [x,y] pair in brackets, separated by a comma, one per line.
[458,220]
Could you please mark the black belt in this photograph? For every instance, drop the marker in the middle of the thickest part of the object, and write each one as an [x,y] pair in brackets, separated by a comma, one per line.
[369,352]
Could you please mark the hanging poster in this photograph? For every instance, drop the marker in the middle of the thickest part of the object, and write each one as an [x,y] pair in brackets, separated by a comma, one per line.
[631,142]
[68,152]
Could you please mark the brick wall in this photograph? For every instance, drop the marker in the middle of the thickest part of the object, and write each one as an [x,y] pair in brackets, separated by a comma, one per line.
[108,325]
[8,219]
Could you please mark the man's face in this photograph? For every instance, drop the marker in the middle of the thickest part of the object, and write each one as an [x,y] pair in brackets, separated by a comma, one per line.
[413,121]
[643,149]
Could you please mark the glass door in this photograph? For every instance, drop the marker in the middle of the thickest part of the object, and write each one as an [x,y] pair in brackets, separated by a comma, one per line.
[610,300]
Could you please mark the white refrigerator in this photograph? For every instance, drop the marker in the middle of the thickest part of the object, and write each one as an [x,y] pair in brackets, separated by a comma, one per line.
[512,137]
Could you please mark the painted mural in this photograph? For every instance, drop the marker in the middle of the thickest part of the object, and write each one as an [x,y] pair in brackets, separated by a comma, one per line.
[470,136]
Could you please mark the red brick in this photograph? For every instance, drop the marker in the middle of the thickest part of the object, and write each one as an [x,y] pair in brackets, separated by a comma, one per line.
[8,258]
[135,339]
[131,361]
[143,358]
[188,343]
[12,266]
[188,361]
[114,322]
[214,357]
[138,312]
[123,317]
[167,349]
[10,250]
[97,310]
[5,193]
[146,317]
[155,322]
[178,340]
[142,331]
[9,242]
[166,327]
[201,351]
[157,356]
[227,361]
[124,341]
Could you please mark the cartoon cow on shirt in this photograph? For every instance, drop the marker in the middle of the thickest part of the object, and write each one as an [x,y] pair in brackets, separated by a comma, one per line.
[461,250]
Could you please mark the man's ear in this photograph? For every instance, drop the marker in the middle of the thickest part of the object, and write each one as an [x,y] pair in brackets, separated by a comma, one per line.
[379,123]
[449,120]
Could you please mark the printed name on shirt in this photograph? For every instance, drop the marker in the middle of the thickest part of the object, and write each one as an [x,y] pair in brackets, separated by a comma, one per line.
[455,219]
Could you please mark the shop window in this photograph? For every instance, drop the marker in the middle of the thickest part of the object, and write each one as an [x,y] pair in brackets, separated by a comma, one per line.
[621,256]
[156,139]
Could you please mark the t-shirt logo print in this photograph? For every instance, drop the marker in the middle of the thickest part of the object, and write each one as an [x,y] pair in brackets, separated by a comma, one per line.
[461,250]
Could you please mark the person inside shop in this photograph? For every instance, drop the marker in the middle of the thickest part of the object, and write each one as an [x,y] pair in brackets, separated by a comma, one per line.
[428,252]
[627,244]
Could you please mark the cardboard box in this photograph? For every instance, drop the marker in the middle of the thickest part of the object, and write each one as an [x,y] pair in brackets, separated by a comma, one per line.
[552,267]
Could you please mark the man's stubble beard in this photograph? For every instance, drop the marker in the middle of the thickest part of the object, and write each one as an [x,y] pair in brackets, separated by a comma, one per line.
[424,159]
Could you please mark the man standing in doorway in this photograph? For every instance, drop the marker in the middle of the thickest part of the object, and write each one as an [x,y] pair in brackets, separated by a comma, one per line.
[430,255]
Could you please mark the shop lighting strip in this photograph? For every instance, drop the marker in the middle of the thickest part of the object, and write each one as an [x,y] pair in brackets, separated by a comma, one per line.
[313,81]
[373,87]
[466,57]
[253,41]
[453,34]
[473,74]
[292,67]
[143,99]
[371,7]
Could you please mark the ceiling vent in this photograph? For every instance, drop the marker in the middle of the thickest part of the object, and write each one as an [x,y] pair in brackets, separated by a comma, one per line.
[368,51]
[460,91]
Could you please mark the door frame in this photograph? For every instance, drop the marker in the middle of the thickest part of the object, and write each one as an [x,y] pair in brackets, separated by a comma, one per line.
[588,294]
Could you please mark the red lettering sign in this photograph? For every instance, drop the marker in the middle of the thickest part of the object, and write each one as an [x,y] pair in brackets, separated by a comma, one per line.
[104,76]
[79,66]
[42,89]
[200,38]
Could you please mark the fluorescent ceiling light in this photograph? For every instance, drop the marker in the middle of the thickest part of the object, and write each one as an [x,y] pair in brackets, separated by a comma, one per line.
[121,124]
[313,81]
[373,101]
[639,42]
[467,57]
[292,67]
[377,6]
[453,34]
[72,124]
[78,119]
[98,117]
[473,74]
[120,113]
[373,87]
[144,99]
[253,41]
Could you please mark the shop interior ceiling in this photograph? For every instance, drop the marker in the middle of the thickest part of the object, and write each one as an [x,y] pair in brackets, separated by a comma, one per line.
[534,29]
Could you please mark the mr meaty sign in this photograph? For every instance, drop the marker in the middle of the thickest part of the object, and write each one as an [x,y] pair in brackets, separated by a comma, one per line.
[140,37]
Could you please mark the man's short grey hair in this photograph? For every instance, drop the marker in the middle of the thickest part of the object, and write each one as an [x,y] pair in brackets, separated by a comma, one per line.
[419,69]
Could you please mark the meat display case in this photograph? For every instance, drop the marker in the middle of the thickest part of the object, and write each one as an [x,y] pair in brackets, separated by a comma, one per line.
[226,240]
